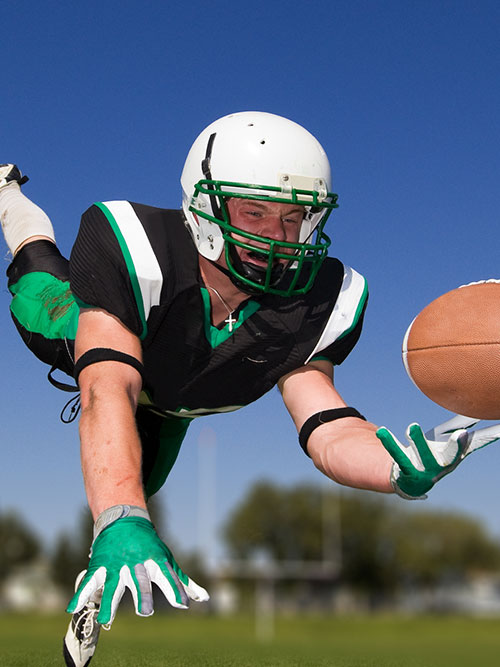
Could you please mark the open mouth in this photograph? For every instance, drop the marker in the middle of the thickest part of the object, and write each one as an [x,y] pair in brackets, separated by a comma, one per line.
[256,258]
[262,259]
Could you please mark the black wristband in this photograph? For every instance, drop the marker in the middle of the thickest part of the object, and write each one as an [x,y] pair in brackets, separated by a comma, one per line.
[324,417]
[97,354]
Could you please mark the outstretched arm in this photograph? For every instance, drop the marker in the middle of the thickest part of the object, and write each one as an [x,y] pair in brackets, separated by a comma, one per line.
[356,453]
[126,552]
[110,445]
[346,450]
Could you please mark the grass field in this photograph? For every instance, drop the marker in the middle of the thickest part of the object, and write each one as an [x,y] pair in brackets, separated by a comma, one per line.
[189,640]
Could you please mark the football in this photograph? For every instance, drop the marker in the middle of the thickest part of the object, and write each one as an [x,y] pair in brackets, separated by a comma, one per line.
[451,350]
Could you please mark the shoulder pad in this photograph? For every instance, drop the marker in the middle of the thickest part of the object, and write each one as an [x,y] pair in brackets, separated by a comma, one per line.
[346,312]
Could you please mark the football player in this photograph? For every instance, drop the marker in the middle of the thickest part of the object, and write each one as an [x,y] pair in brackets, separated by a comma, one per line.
[163,316]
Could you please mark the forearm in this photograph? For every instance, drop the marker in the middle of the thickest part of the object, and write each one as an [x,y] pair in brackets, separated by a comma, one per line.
[349,452]
[110,452]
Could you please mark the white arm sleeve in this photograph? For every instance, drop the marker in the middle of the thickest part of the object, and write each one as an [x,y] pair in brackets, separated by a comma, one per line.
[21,218]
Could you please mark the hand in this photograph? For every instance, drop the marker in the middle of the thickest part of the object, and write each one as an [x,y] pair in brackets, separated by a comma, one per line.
[129,554]
[477,439]
[428,458]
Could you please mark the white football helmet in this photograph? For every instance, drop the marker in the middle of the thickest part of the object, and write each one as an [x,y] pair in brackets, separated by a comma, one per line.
[257,155]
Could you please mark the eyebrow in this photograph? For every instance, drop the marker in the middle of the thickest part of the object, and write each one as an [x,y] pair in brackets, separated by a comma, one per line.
[262,205]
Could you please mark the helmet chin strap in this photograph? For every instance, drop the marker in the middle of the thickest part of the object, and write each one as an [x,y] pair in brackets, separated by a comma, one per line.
[243,287]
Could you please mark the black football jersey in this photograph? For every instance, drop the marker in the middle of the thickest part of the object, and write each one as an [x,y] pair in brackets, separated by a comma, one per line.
[140,264]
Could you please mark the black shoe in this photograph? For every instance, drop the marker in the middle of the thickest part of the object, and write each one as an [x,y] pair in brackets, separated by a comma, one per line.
[9,173]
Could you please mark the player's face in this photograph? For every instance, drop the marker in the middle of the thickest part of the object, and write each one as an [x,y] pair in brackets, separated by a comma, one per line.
[272,220]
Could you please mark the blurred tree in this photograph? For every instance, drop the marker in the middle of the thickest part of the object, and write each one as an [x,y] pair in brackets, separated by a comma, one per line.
[438,545]
[383,544]
[368,530]
[284,524]
[18,544]
[71,553]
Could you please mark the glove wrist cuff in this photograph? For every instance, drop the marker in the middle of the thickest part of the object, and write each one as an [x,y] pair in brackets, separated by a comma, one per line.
[112,514]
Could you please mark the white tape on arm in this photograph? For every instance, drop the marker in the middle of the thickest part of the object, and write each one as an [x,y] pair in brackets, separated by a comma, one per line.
[21,218]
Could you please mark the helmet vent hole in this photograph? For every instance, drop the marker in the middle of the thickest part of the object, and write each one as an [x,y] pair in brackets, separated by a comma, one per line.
[263,141]
[250,124]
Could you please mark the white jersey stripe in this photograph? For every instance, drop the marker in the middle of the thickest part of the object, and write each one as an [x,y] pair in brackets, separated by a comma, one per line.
[146,265]
[346,311]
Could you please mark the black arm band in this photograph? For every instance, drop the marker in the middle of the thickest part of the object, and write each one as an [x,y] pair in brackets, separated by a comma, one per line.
[97,354]
[323,418]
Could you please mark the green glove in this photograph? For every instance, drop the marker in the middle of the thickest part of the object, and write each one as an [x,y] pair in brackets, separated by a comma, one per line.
[428,458]
[419,466]
[129,554]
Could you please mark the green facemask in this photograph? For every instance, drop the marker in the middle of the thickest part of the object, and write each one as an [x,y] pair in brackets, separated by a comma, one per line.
[303,259]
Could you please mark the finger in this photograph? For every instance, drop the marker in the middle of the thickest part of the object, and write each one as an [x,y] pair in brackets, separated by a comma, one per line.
[443,431]
[462,439]
[163,575]
[449,454]
[111,596]
[115,601]
[416,435]
[482,437]
[175,567]
[394,447]
[90,583]
[139,585]
[195,591]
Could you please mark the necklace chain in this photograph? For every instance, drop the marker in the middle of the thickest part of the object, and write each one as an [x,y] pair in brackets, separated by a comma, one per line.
[230,320]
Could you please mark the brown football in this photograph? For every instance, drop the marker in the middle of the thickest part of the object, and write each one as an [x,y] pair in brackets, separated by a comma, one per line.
[451,350]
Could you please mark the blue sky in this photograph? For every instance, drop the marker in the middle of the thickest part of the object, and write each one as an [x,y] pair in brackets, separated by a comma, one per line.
[103,100]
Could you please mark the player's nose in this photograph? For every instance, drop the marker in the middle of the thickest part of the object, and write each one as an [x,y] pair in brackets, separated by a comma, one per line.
[273,228]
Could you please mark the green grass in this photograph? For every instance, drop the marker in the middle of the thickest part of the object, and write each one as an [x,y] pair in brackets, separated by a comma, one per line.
[185,640]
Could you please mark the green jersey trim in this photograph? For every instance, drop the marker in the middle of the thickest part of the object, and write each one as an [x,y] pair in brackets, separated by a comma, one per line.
[217,336]
[171,435]
[141,262]
[183,412]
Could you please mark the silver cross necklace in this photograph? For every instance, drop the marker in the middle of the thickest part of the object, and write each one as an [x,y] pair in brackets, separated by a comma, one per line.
[230,320]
